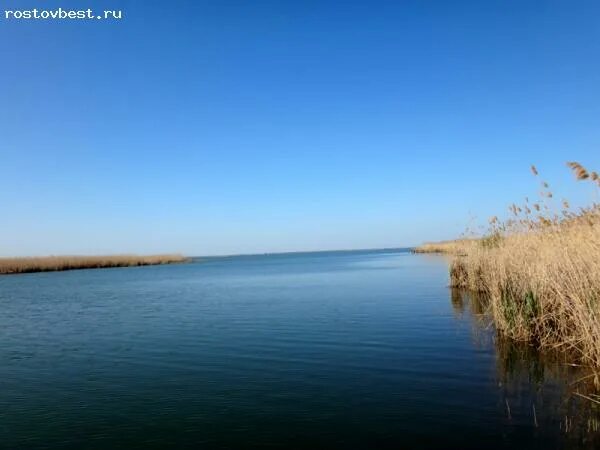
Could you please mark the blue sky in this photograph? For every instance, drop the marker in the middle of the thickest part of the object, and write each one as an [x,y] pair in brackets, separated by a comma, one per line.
[238,127]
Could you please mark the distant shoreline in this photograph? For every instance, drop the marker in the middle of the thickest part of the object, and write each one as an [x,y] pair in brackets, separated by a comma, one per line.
[308,252]
[19,265]
[452,247]
[36,264]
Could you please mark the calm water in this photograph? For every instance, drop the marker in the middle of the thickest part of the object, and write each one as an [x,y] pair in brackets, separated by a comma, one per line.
[322,350]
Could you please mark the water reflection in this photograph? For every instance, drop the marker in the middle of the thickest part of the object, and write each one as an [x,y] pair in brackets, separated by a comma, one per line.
[537,390]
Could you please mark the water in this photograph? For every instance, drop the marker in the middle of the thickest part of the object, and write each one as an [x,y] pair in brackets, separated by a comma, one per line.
[317,350]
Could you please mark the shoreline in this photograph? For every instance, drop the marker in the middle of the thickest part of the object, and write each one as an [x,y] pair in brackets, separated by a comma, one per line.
[22,265]
[451,247]
[34,264]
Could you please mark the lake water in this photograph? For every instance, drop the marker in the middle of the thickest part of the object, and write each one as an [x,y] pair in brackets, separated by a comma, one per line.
[316,350]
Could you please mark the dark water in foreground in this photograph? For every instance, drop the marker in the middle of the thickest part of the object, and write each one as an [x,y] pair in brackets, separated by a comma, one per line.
[323,350]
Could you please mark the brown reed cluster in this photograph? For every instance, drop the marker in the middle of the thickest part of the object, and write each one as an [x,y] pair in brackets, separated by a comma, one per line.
[56,263]
[540,269]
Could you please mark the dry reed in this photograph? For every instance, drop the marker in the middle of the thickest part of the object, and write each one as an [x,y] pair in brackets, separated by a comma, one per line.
[541,271]
[455,247]
[56,263]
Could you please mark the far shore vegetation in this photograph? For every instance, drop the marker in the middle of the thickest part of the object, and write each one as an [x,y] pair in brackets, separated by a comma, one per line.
[539,270]
[452,247]
[57,263]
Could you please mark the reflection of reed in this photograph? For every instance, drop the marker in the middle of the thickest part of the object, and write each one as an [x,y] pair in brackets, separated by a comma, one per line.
[537,388]
[458,302]
[471,304]
[543,390]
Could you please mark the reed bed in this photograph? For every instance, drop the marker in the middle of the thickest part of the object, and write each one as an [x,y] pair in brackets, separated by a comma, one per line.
[454,247]
[540,269]
[56,263]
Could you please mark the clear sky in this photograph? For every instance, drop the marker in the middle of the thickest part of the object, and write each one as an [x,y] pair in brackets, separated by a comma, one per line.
[218,127]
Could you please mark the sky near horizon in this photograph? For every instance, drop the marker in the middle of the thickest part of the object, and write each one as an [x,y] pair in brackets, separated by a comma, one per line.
[241,127]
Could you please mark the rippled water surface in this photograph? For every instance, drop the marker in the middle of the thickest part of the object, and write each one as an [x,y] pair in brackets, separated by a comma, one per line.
[317,350]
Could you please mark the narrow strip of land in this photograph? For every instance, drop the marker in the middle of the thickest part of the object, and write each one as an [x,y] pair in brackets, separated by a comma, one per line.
[450,247]
[58,263]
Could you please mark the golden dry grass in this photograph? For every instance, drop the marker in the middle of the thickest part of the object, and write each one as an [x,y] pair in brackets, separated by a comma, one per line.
[541,272]
[55,263]
[454,247]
